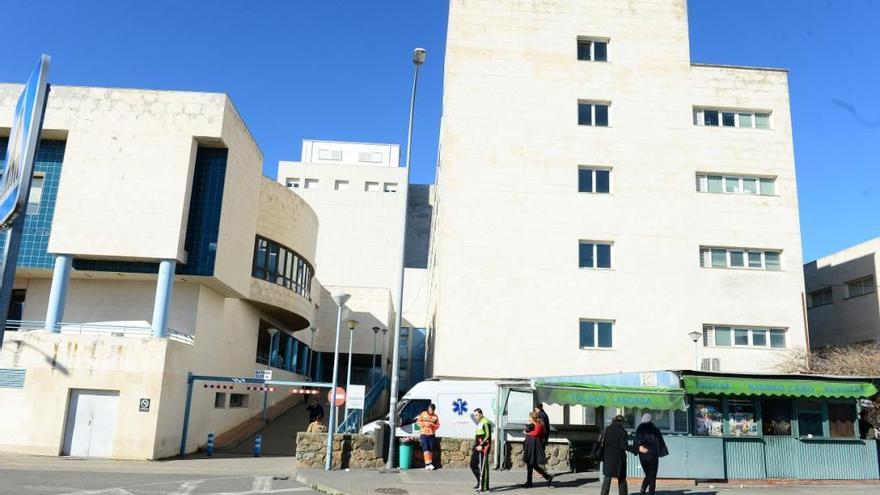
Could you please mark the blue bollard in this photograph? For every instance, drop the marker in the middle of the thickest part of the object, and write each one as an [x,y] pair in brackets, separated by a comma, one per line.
[258,445]
[209,449]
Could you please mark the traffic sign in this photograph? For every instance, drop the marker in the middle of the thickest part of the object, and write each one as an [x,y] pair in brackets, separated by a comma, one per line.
[340,396]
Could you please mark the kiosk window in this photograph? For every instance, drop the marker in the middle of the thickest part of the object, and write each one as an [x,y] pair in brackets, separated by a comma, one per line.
[810,418]
[841,420]
[776,417]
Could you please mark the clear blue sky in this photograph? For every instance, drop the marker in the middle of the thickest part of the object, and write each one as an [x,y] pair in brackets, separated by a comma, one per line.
[341,70]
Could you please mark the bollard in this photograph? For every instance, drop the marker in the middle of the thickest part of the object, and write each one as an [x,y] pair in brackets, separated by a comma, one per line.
[258,445]
[209,449]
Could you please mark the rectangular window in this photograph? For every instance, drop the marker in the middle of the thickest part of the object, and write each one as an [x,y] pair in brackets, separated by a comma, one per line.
[714,117]
[220,400]
[594,254]
[736,184]
[592,50]
[33,206]
[728,119]
[741,418]
[841,420]
[726,336]
[860,286]
[741,337]
[593,114]
[722,336]
[708,417]
[596,334]
[341,185]
[810,418]
[370,156]
[238,400]
[282,266]
[390,187]
[371,186]
[776,417]
[762,120]
[737,259]
[325,154]
[594,180]
[310,184]
[292,182]
[777,339]
[759,337]
[745,119]
[821,297]
[772,261]
[714,257]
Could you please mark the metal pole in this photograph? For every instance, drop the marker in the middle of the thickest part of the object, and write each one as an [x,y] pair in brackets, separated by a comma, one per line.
[331,426]
[189,396]
[395,352]
[373,362]
[269,366]
[348,378]
[696,357]
[312,352]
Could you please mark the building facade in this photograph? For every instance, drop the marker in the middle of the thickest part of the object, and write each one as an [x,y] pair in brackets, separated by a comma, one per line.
[153,248]
[843,306]
[599,197]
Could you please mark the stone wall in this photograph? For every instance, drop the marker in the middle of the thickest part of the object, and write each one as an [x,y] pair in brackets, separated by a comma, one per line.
[557,457]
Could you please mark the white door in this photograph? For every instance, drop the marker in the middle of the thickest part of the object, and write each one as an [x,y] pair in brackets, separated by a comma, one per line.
[91,420]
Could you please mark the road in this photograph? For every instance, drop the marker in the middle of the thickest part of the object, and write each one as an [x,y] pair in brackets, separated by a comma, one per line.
[27,475]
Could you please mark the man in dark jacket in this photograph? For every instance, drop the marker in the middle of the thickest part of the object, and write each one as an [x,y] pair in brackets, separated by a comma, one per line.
[615,445]
[539,410]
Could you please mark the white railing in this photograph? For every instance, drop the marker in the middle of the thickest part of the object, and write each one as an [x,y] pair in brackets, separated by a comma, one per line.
[99,329]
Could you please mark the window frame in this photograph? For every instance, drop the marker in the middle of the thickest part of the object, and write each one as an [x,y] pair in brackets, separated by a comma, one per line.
[830,299]
[595,330]
[711,330]
[700,116]
[593,169]
[593,104]
[702,183]
[707,259]
[297,277]
[592,40]
[595,254]
[867,284]
[293,182]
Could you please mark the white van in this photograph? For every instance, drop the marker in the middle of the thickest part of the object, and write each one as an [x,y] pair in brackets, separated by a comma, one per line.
[455,401]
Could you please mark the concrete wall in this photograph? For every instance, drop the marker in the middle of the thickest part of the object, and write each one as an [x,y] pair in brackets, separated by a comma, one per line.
[506,270]
[847,319]
[318,151]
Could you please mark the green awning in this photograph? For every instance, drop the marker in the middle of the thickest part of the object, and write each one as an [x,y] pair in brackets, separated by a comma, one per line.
[713,385]
[589,394]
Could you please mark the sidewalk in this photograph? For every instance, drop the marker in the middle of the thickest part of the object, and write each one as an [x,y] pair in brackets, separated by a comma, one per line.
[461,481]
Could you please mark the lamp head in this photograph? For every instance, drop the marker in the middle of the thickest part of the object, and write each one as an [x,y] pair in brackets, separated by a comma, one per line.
[376,330]
[384,331]
[340,298]
[419,56]
[352,324]
[695,336]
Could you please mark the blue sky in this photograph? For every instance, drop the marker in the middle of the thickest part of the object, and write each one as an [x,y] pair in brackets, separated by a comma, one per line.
[341,70]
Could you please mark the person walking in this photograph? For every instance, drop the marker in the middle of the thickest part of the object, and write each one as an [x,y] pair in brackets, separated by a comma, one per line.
[428,423]
[539,409]
[651,447]
[315,410]
[480,453]
[533,450]
[614,448]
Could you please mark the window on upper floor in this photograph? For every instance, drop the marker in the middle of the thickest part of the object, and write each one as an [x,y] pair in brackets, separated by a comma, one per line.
[311,183]
[292,182]
[341,185]
[592,49]
[596,334]
[742,258]
[327,154]
[35,195]
[594,113]
[370,156]
[714,117]
[736,184]
[281,266]
[594,254]
[390,187]
[371,186]
[860,286]
[594,180]
[743,336]
[821,297]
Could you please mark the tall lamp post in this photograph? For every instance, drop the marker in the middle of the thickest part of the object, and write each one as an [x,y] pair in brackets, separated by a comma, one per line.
[695,337]
[314,330]
[418,59]
[373,362]
[352,324]
[340,300]
[272,333]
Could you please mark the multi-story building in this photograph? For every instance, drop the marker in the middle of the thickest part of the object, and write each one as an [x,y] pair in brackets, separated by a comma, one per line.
[843,306]
[599,197]
[154,247]
[359,193]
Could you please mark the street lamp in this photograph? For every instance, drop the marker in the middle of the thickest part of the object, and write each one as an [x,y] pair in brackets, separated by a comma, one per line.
[373,362]
[418,58]
[314,330]
[340,300]
[352,324]
[272,352]
[695,336]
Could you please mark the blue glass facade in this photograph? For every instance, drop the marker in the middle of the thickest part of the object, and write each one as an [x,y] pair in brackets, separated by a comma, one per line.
[203,224]
[37,226]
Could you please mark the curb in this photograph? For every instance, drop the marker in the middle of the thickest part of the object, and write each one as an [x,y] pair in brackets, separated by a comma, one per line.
[318,486]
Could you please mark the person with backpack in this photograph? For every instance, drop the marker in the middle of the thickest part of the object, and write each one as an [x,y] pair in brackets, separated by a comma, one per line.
[650,447]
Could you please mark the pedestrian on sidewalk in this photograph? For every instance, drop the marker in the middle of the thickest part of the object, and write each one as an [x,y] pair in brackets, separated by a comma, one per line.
[315,410]
[614,447]
[428,423]
[317,426]
[539,410]
[651,447]
[480,455]
[533,450]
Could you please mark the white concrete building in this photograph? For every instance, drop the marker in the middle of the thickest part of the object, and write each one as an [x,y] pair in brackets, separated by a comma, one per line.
[844,307]
[599,197]
[358,191]
[173,254]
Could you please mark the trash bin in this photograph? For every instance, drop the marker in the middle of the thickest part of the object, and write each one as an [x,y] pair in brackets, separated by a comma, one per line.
[406,452]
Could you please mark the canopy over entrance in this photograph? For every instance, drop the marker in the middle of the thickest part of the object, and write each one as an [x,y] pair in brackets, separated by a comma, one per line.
[595,395]
[781,387]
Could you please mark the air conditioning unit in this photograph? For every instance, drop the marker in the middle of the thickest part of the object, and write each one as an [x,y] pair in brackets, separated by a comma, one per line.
[710,364]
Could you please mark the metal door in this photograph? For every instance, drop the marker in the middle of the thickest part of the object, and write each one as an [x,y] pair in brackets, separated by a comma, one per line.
[91,421]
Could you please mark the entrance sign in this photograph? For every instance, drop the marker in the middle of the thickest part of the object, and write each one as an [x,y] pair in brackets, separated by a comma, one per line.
[263,374]
[340,396]
[356,395]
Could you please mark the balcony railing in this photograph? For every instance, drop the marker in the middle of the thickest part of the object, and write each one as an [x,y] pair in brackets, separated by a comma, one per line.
[69,328]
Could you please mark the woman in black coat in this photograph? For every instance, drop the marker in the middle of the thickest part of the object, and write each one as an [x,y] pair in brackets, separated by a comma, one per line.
[614,448]
[651,447]
[533,450]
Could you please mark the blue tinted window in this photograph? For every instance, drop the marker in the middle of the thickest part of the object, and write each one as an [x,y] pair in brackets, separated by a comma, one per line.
[585,255]
[603,255]
[585,114]
[604,333]
[585,180]
[600,51]
[584,50]
[603,181]
[710,117]
[587,338]
[602,115]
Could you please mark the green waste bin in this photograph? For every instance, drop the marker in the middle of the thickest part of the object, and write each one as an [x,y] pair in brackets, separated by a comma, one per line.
[406,452]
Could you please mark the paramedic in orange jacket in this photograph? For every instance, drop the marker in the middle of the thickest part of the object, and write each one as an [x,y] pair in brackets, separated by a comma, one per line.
[428,424]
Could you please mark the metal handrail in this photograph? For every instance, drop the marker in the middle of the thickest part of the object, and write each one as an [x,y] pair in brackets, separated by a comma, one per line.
[72,328]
